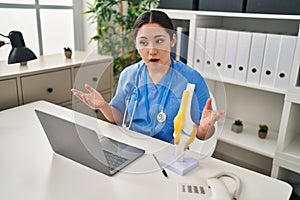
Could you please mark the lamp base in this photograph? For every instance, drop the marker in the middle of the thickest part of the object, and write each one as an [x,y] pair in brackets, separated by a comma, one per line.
[183,167]
[23,63]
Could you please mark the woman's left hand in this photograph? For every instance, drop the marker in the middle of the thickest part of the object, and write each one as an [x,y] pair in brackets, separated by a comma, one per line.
[208,119]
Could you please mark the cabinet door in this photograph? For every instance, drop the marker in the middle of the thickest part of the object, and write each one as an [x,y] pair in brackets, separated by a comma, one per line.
[52,86]
[9,94]
[98,75]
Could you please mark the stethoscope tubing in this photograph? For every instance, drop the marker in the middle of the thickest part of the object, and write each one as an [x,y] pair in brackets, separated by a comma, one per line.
[137,96]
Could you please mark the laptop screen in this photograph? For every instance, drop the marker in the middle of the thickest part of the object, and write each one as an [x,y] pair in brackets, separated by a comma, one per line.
[85,146]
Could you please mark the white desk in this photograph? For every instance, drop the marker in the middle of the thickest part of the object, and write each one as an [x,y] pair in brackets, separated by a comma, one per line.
[29,169]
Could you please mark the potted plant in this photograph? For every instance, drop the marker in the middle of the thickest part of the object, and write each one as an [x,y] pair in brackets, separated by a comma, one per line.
[237,126]
[68,52]
[263,131]
[114,20]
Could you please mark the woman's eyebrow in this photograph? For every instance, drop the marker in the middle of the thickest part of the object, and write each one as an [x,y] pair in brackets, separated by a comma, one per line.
[142,37]
[156,36]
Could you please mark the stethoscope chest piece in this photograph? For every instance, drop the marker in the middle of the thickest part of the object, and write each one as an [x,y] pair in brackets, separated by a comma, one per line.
[161,117]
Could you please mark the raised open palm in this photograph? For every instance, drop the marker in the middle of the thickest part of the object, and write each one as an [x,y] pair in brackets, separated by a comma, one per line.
[93,98]
[209,116]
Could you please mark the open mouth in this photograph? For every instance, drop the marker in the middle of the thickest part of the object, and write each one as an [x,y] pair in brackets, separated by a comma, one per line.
[154,60]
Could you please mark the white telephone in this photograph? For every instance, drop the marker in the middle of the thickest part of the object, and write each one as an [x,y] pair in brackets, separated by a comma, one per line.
[216,189]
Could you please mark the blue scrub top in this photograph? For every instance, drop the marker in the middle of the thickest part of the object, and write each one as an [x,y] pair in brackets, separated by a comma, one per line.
[126,94]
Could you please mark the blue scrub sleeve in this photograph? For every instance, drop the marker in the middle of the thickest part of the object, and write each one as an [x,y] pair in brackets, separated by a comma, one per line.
[119,99]
[125,87]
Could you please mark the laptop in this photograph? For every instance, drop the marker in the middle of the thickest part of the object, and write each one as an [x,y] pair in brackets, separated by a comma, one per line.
[85,146]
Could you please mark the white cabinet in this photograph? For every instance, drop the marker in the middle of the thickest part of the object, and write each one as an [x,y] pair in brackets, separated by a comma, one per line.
[51,78]
[50,86]
[287,158]
[9,94]
[279,154]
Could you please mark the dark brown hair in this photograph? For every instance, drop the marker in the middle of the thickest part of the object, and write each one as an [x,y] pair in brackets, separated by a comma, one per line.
[154,16]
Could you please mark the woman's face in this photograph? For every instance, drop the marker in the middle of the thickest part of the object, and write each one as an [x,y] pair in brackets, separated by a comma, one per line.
[154,45]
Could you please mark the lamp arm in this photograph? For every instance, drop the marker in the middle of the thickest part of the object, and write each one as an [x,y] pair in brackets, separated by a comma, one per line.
[2,43]
[4,35]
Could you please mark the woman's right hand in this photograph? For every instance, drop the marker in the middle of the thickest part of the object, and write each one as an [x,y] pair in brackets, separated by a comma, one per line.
[93,98]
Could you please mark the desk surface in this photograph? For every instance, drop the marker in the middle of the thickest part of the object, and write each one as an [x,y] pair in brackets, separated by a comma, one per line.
[29,169]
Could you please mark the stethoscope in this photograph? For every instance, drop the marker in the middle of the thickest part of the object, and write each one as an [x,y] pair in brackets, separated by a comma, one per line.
[161,116]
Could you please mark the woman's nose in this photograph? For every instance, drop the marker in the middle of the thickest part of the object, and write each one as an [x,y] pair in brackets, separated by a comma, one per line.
[152,49]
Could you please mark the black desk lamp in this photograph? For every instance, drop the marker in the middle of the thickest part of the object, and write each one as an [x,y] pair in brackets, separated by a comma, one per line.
[19,53]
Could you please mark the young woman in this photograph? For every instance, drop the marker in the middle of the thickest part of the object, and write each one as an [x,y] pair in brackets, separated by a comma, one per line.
[149,92]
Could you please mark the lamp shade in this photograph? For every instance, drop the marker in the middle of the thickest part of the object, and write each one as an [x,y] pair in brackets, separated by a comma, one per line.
[19,53]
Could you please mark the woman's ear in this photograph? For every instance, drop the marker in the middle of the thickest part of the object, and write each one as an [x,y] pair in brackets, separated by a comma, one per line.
[173,41]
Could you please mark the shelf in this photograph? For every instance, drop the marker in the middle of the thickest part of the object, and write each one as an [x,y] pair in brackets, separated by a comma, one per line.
[283,162]
[292,151]
[249,139]
[249,85]
[293,96]
[189,13]
[287,173]
[50,62]
[253,103]
[295,89]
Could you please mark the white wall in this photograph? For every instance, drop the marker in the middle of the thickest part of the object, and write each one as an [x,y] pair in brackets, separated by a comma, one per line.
[89,30]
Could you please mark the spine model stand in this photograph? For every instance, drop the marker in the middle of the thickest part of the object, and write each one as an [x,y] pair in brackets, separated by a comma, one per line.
[184,128]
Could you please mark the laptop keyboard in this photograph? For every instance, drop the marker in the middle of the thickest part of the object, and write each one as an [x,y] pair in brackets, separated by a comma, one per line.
[113,160]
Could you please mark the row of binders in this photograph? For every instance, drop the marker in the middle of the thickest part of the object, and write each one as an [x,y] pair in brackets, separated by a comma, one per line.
[250,57]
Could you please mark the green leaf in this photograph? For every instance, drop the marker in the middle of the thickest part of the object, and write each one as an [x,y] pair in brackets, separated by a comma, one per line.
[106,15]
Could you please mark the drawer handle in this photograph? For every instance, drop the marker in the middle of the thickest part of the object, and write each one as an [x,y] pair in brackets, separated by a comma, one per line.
[95,79]
[50,90]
